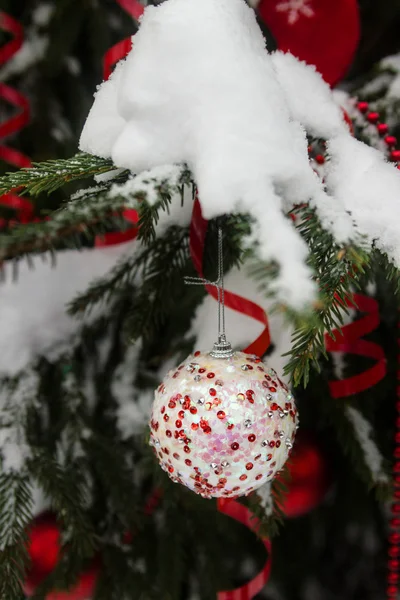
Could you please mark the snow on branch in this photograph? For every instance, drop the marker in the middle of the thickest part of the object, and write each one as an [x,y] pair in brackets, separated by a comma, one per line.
[364,434]
[200,88]
[15,399]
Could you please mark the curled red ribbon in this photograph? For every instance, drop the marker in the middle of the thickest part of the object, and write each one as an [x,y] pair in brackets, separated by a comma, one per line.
[112,56]
[243,515]
[22,206]
[198,230]
[232,508]
[349,339]
[121,49]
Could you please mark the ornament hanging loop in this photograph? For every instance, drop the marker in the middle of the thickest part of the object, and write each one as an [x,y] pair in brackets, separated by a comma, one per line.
[222,348]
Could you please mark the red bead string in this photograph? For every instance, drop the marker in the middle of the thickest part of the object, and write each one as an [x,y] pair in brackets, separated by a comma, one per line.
[243,515]
[373,118]
[393,577]
[393,564]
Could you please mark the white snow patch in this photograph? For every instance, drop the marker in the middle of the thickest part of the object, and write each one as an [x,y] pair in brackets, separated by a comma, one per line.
[42,14]
[266,498]
[236,115]
[73,65]
[33,321]
[32,51]
[369,188]
[364,434]
[14,402]
[147,182]
[134,405]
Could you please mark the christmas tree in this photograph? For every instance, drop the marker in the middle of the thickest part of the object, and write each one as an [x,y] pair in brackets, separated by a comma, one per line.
[216,177]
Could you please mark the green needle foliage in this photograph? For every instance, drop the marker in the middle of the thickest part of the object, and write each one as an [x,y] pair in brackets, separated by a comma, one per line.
[82,420]
[48,176]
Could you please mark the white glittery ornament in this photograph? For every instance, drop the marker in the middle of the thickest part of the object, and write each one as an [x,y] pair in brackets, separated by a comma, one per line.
[222,427]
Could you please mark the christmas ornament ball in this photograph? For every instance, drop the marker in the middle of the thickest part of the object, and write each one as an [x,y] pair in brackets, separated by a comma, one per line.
[222,427]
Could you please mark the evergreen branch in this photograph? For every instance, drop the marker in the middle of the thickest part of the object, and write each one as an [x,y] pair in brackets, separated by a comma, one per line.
[67,489]
[111,467]
[337,272]
[50,175]
[103,289]
[270,523]
[118,576]
[92,212]
[160,266]
[160,288]
[15,516]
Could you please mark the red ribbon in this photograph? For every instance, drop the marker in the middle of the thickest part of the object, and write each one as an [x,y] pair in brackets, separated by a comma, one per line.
[112,56]
[198,230]
[22,206]
[349,339]
[121,49]
[232,508]
[243,515]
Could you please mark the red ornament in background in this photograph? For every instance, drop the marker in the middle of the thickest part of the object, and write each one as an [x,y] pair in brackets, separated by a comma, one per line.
[44,552]
[310,477]
[324,33]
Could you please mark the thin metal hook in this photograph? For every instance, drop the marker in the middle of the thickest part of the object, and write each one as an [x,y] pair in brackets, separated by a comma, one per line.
[222,348]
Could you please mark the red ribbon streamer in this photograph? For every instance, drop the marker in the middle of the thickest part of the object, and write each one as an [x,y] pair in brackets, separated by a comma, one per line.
[243,515]
[119,237]
[121,49]
[198,230]
[232,508]
[22,206]
[112,56]
[349,339]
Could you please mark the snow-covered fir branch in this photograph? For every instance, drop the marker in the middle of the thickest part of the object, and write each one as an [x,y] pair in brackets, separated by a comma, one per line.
[364,433]
[241,162]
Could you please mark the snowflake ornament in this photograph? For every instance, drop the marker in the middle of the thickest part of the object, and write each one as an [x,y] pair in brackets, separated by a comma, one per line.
[296,9]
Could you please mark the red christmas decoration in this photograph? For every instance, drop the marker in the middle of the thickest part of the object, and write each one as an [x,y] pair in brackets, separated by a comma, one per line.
[310,477]
[44,552]
[321,32]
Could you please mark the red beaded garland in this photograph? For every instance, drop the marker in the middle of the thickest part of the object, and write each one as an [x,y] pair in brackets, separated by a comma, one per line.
[394,537]
[395,155]
[373,117]
[382,128]
[362,106]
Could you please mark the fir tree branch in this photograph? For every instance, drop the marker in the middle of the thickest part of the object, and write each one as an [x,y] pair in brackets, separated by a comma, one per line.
[92,212]
[15,516]
[69,495]
[50,175]
[337,271]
